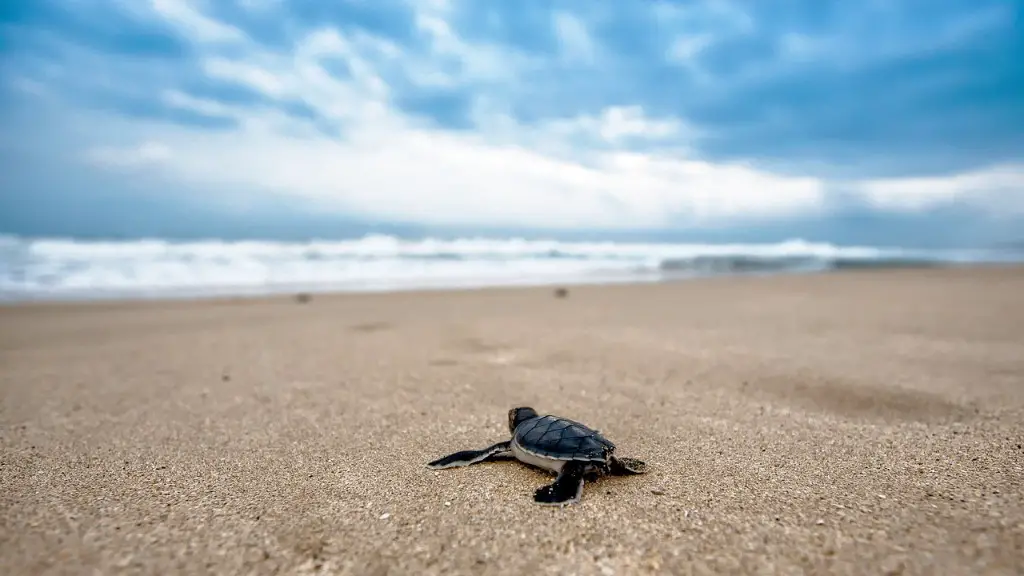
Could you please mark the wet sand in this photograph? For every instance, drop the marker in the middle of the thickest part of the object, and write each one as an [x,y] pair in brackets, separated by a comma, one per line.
[863,422]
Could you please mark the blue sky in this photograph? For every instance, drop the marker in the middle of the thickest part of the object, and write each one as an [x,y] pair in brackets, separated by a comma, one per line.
[849,121]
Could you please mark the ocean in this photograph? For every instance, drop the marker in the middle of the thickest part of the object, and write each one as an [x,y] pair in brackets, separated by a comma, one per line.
[69,269]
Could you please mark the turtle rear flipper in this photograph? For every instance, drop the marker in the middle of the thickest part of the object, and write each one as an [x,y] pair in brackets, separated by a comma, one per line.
[469,457]
[626,466]
[567,487]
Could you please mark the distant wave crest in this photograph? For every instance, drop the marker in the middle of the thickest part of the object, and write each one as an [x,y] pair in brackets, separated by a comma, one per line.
[67,268]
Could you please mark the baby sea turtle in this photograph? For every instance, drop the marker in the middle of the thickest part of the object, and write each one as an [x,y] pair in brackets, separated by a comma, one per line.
[559,445]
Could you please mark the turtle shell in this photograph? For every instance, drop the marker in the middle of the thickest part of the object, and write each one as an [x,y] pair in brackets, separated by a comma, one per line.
[562,439]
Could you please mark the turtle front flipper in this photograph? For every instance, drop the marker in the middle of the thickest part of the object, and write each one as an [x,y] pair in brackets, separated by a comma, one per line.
[626,466]
[468,457]
[567,487]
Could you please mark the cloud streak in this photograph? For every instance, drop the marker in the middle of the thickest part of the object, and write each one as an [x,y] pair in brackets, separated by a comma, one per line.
[651,116]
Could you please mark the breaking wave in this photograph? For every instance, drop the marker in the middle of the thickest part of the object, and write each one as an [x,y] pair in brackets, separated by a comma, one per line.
[76,269]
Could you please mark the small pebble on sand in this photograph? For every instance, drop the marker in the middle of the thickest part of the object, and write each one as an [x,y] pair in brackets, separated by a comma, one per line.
[385,516]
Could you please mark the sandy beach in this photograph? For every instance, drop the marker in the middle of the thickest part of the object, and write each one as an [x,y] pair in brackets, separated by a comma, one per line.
[863,422]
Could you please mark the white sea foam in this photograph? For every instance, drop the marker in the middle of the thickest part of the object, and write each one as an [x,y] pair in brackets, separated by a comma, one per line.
[66,268]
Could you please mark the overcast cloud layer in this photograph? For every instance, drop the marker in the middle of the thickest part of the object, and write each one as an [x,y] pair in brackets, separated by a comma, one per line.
[689,115]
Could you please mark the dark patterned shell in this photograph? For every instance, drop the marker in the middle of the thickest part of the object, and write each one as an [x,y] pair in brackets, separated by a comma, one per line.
[562,439]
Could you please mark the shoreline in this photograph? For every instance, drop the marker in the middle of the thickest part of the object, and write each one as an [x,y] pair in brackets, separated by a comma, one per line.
[227,294]
[52,270]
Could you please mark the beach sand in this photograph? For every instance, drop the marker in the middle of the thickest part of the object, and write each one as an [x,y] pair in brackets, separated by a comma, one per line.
[863,422]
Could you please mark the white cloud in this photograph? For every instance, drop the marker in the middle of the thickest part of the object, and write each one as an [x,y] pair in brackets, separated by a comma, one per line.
[454,61]
[580,171]
[999,187]
[577,46]
[146,153]
[185,14]
[397,171]
[695,27]
[685,48]
[182,101]
[616,125]
[246,74]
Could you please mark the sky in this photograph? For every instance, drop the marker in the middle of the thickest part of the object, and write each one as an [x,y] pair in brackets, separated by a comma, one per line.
[857,122]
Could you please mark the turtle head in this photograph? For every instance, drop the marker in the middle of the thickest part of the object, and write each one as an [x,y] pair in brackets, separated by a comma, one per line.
[516,416]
